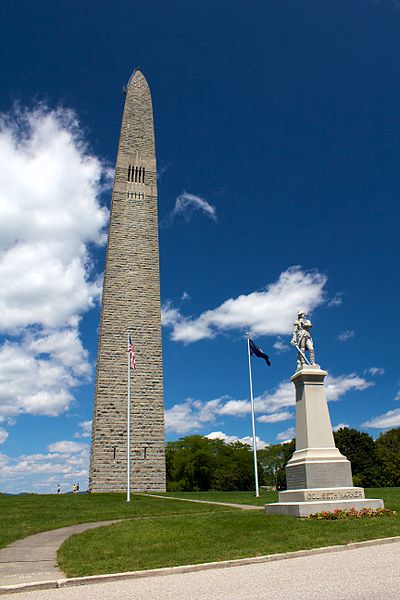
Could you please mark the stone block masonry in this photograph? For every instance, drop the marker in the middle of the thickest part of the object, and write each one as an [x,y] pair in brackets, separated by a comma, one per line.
[131,302]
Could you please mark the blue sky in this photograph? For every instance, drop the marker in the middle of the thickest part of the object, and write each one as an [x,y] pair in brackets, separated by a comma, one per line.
[277,130]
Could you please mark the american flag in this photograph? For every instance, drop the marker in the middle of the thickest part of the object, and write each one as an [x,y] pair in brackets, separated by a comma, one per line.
[131,352]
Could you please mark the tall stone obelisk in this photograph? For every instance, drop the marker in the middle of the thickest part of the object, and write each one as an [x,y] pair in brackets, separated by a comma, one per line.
[131,303]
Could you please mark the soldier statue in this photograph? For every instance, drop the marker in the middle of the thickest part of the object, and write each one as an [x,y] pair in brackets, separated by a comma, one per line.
[302,339]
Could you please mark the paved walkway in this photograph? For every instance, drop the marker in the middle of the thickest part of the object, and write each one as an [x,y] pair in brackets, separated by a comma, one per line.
[230,504]
[363,572]
[35,557]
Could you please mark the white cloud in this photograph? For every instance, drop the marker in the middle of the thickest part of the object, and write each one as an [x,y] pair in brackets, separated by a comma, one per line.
[249,441]
[276,417]
[281,346]
[169,314]
[85,430]
[220,435]
[161,170]
[282,397]
[3,435]
[37,374]
[336,300]
[270,402]
[237,408]
[340,426]
[229,439]
[266,312]
[50,216]
[64,346]
[40,456]
[49,213]
[336,387]
[66,447]
[43,472]
[345,335]
[375,371]
[186,204]
[287,435]
[385,421]
[185,296]
[193,415]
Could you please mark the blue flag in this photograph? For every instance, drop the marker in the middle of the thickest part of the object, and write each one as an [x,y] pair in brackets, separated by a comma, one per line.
[258,352]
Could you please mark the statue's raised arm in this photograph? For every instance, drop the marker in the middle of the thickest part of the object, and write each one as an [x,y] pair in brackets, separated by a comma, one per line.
[302,340]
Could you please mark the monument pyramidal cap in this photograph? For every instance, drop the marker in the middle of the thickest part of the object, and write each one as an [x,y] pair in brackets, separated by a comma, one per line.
[131,304]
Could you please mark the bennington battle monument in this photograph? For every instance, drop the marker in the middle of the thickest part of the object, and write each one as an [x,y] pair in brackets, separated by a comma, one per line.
[131,304]
[318,476]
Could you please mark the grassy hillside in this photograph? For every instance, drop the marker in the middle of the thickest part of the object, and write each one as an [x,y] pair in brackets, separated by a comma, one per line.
[21,516]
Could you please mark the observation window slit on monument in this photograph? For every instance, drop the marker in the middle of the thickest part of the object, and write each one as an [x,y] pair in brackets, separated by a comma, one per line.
[114,452]
[136,195]
[136,174]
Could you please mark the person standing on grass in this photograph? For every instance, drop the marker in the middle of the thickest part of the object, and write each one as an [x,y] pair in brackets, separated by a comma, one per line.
[58,489]
[74,489]
[77,488]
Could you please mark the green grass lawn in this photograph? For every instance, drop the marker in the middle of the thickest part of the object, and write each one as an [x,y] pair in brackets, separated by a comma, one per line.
[21,516]
[194,538]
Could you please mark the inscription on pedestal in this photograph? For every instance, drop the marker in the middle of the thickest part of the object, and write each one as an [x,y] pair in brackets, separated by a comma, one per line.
[296,477]
[333,495]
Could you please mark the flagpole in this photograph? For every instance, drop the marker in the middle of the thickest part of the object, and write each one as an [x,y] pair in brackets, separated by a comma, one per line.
[253,423]
[128,474]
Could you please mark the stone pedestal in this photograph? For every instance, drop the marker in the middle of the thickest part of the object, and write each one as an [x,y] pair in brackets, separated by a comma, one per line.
[318,476]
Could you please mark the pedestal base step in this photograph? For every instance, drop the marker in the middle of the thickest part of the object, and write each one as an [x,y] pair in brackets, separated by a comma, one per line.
[322,494]
[303,509]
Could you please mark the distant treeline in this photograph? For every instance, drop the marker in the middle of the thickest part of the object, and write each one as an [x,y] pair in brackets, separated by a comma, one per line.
[196,463]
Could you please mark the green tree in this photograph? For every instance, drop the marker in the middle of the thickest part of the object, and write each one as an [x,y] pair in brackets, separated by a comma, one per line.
[360,449]
[190,464]
[388,448]
[196,463]
[289,448]
[234,466]
[273,460]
